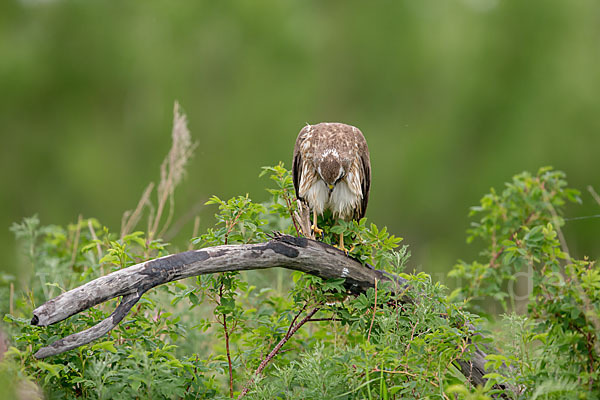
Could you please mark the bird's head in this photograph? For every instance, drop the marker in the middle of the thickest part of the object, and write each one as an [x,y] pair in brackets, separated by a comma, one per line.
[331,169]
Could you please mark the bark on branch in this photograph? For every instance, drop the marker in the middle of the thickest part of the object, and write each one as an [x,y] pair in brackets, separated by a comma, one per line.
[296,253]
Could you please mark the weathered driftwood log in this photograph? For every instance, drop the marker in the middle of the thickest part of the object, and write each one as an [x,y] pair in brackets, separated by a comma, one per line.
[297,253]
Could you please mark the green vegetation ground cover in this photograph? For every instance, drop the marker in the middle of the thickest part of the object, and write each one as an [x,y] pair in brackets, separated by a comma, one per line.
[205,337]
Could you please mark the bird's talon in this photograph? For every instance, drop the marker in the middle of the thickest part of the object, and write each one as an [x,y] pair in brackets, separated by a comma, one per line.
[342,248]
[317,231]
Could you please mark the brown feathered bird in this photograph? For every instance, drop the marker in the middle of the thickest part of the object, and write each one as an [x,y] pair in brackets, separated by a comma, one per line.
[332,171]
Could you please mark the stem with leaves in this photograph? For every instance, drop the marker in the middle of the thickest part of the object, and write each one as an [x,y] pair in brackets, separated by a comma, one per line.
[374,311]
[291,330]
[226,331]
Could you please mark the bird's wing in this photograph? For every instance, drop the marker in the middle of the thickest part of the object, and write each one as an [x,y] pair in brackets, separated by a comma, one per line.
[297,163]
[297,170]
[366,181]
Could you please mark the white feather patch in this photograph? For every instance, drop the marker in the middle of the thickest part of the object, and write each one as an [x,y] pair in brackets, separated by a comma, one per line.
[343,200]
[332,152]
[317,196]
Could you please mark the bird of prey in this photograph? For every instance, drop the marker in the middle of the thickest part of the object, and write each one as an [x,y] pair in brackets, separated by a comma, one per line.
[332,171]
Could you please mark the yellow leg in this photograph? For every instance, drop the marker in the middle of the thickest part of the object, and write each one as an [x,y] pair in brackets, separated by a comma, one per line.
[314,227]
[341,245]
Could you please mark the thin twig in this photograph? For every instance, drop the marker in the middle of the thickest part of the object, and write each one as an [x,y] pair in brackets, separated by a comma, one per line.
[11,298]
[561,236]
[324,319]
[180,222]
[227,344]
[295,318]
[412,335]
[233,223]
[195,231]
[76,241]
[594,194]
[194,375]
[167,223]
[95,238]
[163,195]
[130,219]
[374,311]
[276,349]
[98,248]
[289,207]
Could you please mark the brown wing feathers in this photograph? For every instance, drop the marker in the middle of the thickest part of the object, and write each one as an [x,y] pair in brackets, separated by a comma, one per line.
[366,183]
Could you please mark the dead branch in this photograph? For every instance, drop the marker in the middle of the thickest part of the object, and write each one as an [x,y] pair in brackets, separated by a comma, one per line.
[290,252]
[296,253]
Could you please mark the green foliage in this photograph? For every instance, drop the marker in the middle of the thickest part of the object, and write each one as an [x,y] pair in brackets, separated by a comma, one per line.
[519,228]
[206,337]
[283,195]
[238,221]
[134,359]
[553,351]
[372,245]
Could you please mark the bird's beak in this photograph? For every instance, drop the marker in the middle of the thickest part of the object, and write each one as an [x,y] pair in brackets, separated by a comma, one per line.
[330,187]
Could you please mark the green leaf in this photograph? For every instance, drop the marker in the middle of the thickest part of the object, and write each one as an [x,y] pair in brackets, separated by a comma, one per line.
[106,345]
[52,369]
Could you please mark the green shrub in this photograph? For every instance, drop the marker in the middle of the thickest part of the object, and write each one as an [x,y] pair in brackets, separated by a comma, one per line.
[205,337]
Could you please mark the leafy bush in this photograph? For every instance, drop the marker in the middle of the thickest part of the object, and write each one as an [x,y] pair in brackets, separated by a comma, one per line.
[217,336]
[554,348]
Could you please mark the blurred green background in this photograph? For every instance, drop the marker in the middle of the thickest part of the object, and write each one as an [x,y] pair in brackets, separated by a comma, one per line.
[453,96]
